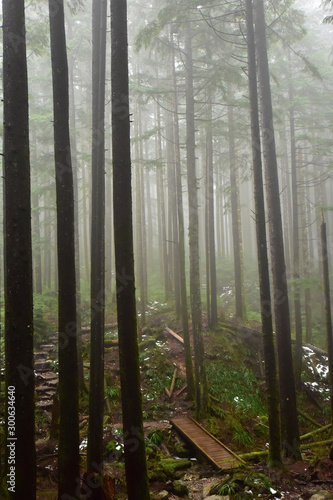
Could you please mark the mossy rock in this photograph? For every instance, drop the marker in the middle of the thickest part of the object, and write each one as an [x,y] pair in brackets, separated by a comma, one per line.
[156,473]
[171,466]
[161,495]
[180,450]
[179,488]
[322,495]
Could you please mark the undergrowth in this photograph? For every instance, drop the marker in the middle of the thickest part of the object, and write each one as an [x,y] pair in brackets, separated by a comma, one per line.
[236,386]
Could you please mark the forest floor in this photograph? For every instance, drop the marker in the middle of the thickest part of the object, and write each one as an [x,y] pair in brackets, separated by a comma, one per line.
[237,418]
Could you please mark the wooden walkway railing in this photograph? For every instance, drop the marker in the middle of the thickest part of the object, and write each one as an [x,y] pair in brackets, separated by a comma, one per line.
[213,450]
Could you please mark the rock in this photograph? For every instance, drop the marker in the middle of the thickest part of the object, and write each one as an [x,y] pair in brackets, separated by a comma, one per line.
[322,495]
[206,489]
[180,488]
[218,497]
[162,495]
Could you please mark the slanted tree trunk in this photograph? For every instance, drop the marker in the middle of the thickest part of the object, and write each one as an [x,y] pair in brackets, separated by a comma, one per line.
[97,291]
[274,457]
[19,373]
[289,422]
[201,392]
[68,454]
[134,445]
[328,313]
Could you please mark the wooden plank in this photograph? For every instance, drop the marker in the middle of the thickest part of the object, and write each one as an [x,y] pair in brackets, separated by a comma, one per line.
[174,334]
[215,451]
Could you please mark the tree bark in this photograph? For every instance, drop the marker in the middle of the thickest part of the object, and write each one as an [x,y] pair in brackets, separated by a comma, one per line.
[289,422]
[75,166]
[181,246]
[201,392]
[68,455]
[134,444]
[236,226]
[19,373]
[97,291]
[211,217]
[274,457]
[328,313]
[296,252]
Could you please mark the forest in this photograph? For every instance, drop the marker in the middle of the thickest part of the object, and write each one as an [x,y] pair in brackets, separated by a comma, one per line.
[166,250]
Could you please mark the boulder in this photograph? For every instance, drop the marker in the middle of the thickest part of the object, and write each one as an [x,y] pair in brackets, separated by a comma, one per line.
[180,488]
[322,495]
[162,495]
[206,489]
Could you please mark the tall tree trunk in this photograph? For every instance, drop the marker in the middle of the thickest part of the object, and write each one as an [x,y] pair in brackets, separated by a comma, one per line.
[211,214]
[181,244]
[135,459]
[236,227]
[97,291]
[328,313]
[68,454]
[172,211]
[201,391]
[289,422]
[150,232]
[47,248]
[161,209]
[75,166]
[306,212]
[296,252]
[37,240]
[275,458]
[19,373]
[286,198]
[140,218]
[85,222]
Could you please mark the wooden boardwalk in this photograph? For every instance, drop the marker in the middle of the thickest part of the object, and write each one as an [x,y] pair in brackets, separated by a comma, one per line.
[212,449]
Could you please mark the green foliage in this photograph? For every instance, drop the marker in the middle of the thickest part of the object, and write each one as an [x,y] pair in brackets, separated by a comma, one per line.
[237,386]
[112,392]
[242,436]
[45,312]
[158,370]
[155,436]
[244,484]
[114,449]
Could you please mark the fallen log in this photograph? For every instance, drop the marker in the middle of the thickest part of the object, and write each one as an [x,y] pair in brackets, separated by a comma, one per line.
[181,390]
[309,419]
[318,443]
[254,455]
[174,334]
[262,454]
[317,431]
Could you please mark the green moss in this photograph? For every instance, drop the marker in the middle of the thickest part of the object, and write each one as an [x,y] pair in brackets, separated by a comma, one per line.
[171,465]
[243,484]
